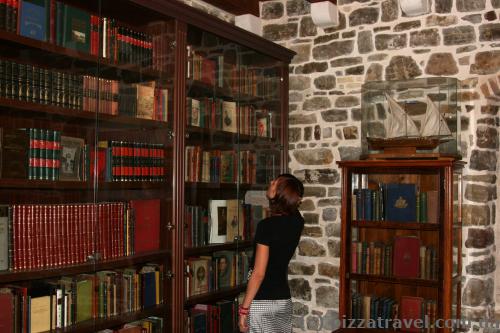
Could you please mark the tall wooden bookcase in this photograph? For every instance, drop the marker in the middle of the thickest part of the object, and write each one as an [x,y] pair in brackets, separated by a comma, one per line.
[401,241]
[96,120]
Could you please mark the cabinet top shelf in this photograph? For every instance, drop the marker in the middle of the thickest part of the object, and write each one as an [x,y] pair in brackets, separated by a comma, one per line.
[395,225]
[215,295]
[404,163]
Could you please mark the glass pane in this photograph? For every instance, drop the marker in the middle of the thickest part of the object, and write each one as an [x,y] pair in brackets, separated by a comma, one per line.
[233,151]
[132,157]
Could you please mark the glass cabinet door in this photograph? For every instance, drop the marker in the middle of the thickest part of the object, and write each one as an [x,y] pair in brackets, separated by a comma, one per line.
[86,166]
[133,165]
[233,149]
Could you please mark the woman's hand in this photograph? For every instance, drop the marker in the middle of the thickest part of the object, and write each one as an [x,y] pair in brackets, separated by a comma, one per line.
[243,323]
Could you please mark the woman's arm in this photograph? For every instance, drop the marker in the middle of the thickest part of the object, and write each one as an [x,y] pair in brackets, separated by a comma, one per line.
[258,273]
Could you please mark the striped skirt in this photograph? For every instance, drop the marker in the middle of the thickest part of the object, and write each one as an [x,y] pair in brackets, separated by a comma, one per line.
[270,316]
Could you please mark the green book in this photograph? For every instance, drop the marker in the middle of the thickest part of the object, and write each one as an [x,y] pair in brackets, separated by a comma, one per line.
[84,300]
[76,29]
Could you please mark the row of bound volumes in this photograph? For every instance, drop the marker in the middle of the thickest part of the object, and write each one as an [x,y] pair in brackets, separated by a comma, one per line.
[227,166]
[55,304]
[147,325]
[373,311]
[220,317]
[395,202]
[49,236]
[224,269]
[71,27]
[130,161]
[29,83]
[217,71]
[224,221]
[377,258]
[228,116]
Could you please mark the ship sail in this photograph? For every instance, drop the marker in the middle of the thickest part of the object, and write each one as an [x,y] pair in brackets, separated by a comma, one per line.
[433,123]
[398,124]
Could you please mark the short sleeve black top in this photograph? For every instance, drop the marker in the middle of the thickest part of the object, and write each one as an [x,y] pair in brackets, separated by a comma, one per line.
[282,235]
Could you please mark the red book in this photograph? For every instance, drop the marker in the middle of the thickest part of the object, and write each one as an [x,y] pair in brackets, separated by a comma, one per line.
[6,311]
[147,224]
[406,257]
[410,311]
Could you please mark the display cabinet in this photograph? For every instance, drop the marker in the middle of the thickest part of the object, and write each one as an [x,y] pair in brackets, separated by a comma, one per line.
[125,132]
[401,243]
[406,117]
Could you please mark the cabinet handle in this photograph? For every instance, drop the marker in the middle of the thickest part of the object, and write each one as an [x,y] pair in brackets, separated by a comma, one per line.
[170,226]
[173,44]
[169,274]
[170,135]
[187,135]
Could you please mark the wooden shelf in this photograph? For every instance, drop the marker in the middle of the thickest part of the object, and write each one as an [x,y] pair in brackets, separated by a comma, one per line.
[224,186]
[27,275]
[215,295]
[97,324]
[11,107]
[394,280]
[216,137]
[198,88]
[76,185]
[54,56]
[194,251]
[395,225]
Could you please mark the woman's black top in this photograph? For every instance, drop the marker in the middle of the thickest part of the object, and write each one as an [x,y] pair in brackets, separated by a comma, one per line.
[282,235]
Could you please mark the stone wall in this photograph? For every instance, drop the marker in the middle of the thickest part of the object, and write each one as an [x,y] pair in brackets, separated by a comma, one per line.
[375,41]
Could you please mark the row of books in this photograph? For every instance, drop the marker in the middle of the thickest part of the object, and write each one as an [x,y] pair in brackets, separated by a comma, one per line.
[395,202]
[8,15]
[228,116]
[130,161]
[376,258]
[220,317]
[224,269]
[38,154]
[372,311]
[147,325]
[146,100]
[224,221]
[68,26]
[217,71]
[55,304]
[48,236]
[29,83]
[227,166]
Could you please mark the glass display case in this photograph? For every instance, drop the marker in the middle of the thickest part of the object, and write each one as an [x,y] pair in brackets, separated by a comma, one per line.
[410,117]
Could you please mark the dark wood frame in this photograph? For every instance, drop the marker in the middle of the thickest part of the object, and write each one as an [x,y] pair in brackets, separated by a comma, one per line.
[442,233]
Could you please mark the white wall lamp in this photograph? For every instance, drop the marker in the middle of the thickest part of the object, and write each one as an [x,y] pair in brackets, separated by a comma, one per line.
[324,13]
[414,7]
[249,22]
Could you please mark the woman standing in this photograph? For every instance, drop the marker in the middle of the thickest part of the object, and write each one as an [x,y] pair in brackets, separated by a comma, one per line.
[267,306]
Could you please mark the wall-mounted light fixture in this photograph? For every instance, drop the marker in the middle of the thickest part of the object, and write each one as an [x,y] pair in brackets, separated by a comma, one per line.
[414,7]
[249,22]
[324,13]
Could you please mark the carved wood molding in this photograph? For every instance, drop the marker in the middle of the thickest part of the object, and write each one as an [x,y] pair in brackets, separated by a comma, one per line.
[332,1]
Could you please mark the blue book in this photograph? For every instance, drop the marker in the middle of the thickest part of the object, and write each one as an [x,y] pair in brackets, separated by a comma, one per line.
[33,19]
[400,203]
[149,290]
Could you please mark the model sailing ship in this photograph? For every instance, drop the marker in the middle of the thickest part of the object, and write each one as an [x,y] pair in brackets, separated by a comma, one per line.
[401,130]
